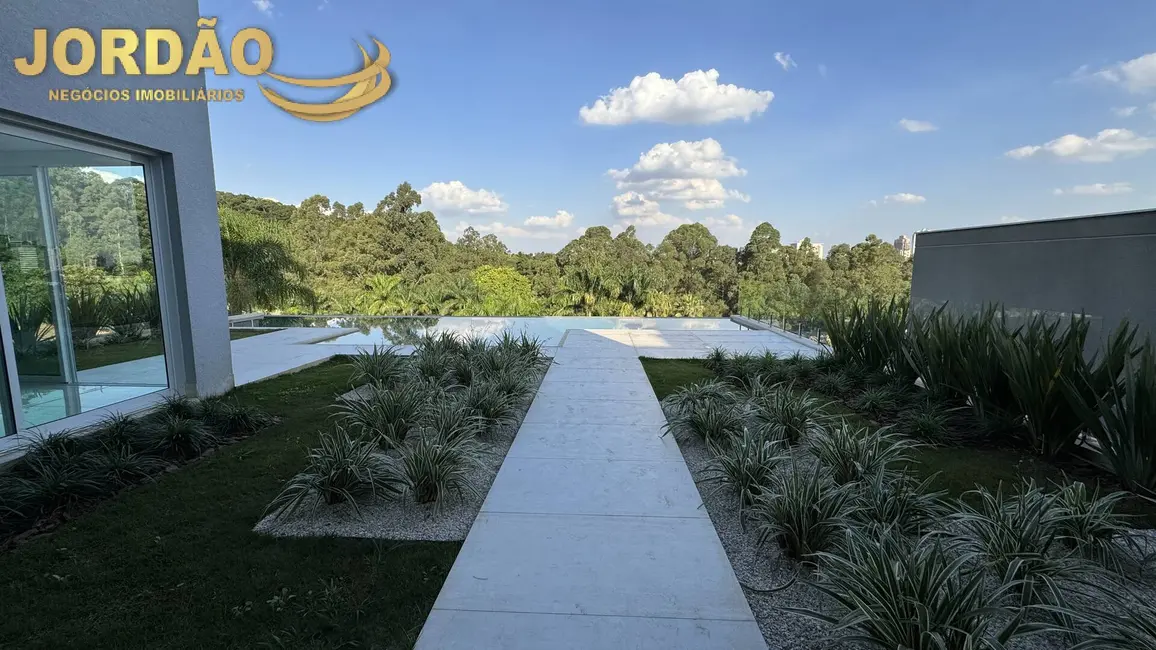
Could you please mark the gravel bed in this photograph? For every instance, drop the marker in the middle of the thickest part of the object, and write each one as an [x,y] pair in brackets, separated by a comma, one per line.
[404,519]
[762,568]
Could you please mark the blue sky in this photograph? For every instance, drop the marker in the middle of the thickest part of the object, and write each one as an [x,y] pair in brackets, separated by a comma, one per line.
[1004,102]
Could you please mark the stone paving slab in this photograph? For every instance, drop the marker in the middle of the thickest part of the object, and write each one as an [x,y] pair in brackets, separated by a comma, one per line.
[602,441]
[536,631]
[588,486]
[571,564]
[586,390]
[561,410]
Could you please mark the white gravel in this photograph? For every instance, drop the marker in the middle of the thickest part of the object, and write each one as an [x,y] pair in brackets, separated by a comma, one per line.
[761,568]
[404,519]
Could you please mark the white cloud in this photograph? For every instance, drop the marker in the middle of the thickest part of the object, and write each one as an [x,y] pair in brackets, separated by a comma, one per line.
[1105,146]
[1126,111]
[682,159]
[105,175]
[264,6]
[686,172]
[634,209]
[822,70]
[1010,219]
[1096,189]
[269,198]
[505,230]
[454,196]
[727,221]
[916,126]
[1137,75]
[696,98]
[902,197]
[785,60]
[561,219]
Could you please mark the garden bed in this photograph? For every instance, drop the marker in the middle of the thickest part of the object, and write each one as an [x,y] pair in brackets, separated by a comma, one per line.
[433,429]
[775,584]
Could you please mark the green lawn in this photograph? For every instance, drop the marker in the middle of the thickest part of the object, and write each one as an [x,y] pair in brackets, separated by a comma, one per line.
[106,355]
[174,564]
[957,469]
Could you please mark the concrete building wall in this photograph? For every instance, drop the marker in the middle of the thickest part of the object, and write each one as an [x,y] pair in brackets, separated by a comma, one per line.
[179,130]
[1103,265]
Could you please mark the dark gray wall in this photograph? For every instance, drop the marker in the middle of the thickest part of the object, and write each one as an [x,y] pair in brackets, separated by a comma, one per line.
[177,128]
[1103,265]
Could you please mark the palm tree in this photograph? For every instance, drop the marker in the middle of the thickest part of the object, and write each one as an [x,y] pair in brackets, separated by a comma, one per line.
[383,296]
[658,304]
[584,290]
[260,270]
[635,287]
[460,296]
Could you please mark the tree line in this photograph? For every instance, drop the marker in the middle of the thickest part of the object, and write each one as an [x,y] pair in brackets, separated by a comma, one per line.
[326,257]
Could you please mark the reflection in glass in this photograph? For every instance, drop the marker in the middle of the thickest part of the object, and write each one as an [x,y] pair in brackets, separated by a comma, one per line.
[77,261]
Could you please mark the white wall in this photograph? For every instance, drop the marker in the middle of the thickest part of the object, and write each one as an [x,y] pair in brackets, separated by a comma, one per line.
[180,130]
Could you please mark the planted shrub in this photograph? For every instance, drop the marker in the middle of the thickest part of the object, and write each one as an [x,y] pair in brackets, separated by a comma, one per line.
[120,430]
[1091,524]
[444,343]
[716,360]
[383,415]
[853,454]
[513,383]
[871,336]
[179,406]
[689,398]
[799,367]
[876,401]
[53,479]
[714,422]
[228,418]
[788,415]
[447,420]
[122,466]
[741,369]
[433,365]
[745,466]
[1123,420]
[341,469]
[381,365]
[1018,536]
[1127,622]
[434,468]
[179,437]
[900,503]
[834,383]
[922,594]
[804,511]
[490,405]
[1035,360]
[927,420]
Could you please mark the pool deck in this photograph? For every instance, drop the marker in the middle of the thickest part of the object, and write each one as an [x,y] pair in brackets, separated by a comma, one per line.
[593,534]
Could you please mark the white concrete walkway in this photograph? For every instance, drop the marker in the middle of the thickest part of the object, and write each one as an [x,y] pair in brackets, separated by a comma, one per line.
[592,535]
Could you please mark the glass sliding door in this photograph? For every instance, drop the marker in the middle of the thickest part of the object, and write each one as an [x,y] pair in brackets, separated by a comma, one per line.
[76,257]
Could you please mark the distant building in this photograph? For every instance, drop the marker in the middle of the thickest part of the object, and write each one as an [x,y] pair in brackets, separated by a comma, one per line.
[904,246]
[815,246]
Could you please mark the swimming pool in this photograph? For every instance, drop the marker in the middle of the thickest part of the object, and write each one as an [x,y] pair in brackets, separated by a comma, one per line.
[550,329]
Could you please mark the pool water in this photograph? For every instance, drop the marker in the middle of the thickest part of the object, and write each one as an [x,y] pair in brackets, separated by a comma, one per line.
[549,329]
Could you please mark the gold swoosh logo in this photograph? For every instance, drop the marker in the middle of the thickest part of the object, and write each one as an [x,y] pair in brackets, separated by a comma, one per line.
[369,84]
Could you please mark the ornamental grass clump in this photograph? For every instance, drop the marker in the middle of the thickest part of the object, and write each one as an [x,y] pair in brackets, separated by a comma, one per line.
[927,420]
[52,479]
[178,437]
[486,401]
[341,469]
[384,415]
[787,414]
[745,467]
[228,418]
[834,383]
[435,468]
[713,422]
[853,454]
[876,401]
[1019,535]
[449,421]
[804,511]
[1092,524]
[900,503]
[381,365]
[921,593]
[687,399]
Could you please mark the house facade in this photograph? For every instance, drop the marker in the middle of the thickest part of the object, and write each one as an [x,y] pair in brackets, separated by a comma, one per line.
[110,250]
